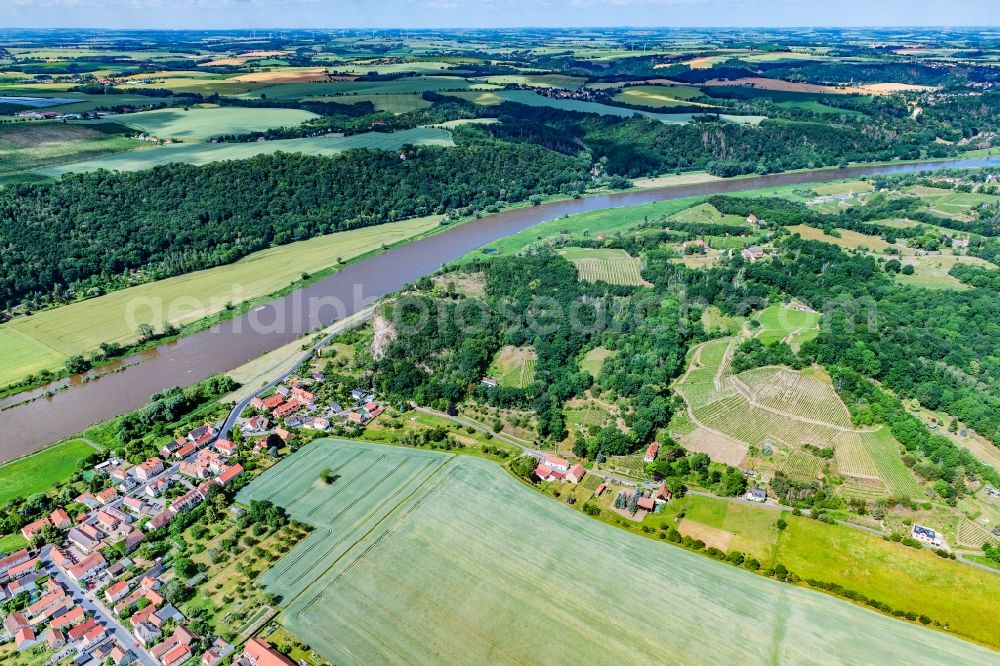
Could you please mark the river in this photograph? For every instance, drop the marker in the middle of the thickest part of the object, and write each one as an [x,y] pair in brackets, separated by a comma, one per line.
[31,426]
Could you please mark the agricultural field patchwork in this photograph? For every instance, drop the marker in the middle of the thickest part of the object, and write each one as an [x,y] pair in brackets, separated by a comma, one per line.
[661,97]
[603,265]
[385,576]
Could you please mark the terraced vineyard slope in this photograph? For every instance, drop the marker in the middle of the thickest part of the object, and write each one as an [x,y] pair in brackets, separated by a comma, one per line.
[774,419]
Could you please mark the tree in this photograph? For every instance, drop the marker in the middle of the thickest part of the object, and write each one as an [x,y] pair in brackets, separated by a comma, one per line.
[327,476]
[524,466]
[907,269]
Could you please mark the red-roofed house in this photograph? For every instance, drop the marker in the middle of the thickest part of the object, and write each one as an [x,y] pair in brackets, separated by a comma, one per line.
[576,473]
[148,469]
[108,495]
[662,494]
[60,519]
[271,402]
[80,630]
[116,591]
[68,619]
[287,408]
[225,447]
[11,561]
[260,653]
[87,567]
[557,464]
[25,638]
[178,655]
[303,396]
[651,452]
[646,502]
[53,638]
[231,473]
[31,529]
[543,472]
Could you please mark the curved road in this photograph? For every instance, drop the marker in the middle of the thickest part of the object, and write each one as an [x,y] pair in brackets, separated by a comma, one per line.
[31,426]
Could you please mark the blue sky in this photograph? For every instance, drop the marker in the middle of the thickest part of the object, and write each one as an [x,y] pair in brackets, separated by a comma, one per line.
[490,13]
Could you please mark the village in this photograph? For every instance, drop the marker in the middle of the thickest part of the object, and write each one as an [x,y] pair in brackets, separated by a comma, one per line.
[82,592]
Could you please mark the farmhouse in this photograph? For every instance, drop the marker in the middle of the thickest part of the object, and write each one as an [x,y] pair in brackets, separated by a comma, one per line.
[11,561]
[651,452]
[926,535]
[752,254]
[756,495]
[489,382]
[576,473]
[557,464]
[260,653]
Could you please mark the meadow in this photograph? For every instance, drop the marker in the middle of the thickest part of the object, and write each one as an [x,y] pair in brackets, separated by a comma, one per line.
[38,472]
[778,322]
[661,97]
[391,102]
[847,239]
[202,123]
[402,536]
[45,339]
[203,153]
[931,271]
[586,225]
[29,145]
[607,265]
[903,577]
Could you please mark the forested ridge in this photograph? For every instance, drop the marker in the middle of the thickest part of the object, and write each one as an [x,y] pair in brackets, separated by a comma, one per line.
[88,228]
[638,146]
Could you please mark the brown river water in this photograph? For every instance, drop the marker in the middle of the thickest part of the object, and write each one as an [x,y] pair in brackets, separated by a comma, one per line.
[30,426]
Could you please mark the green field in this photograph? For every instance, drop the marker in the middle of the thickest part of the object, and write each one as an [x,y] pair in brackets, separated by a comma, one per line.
[777,322]
[37,473]
[12,542]
[531,99]
[660,97]
[611,266]
[29,145]
[391,102]
[199,124]
[45,339]
[402,536]
[203,153]
[593,360]
[412,84]
[587,225]
[787,99]
[537,80]
[706,213]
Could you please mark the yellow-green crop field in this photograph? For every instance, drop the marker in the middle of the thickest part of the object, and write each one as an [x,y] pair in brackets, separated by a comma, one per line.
[199,124]
[402,536]
[46,339]
[203,153]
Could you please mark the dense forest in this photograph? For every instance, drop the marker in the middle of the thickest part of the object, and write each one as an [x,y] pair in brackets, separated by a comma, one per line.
[536,300]
[640,146]
[88,228]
